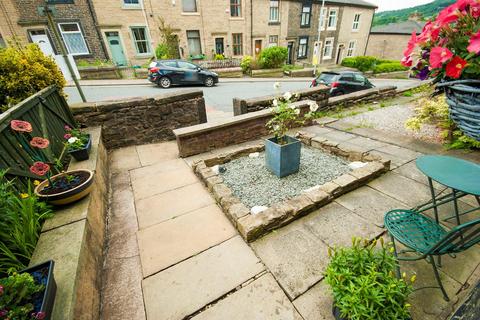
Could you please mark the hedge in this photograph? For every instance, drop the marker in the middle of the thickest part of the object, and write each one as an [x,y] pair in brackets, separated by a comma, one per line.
[367,63]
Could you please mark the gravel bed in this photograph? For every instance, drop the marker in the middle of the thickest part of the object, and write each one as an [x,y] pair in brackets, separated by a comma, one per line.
[392,119]
[255,185]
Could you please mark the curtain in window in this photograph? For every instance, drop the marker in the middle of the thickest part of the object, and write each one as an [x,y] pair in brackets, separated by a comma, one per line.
[194,45]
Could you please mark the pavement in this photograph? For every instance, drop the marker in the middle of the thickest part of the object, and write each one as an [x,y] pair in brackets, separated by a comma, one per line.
[172,253]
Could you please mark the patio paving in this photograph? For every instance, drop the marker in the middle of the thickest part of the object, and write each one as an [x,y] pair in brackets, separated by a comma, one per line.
[179,257]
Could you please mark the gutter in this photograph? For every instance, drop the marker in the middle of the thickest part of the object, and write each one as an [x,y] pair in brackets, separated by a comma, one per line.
[369,32]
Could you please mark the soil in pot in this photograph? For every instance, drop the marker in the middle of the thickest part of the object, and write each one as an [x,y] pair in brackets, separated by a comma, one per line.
[63,184]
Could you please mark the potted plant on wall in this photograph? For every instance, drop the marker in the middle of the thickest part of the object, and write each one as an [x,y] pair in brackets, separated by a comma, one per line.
[78,143]
[364,285]
[282,152]
[448,50]
[28,294]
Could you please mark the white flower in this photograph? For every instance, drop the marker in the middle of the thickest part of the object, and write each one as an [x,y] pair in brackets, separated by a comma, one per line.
[291,106]
[275,102]
[275,128]
[287,95]
[297,111]
[313,106]
[72,140]
[276,85]
[297,95]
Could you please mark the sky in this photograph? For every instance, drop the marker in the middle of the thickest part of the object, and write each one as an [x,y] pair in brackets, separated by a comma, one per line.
[384,5]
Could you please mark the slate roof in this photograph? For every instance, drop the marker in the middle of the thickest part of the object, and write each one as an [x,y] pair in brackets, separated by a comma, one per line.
[359,3]
[404,27]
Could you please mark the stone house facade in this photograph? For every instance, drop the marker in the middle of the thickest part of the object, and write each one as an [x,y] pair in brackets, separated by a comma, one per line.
[74,19]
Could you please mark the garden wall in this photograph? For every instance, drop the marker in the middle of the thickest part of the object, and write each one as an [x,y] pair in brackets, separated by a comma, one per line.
[142,120]
[219,64]
[95,73]
[307,72]
[372,94]
[242,106]
[209,136]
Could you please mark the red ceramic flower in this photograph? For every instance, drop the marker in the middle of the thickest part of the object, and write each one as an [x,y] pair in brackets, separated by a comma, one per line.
[67,136]
[407,61]
[455,67]
[21,126]
[39,168]
[474,43]
[39,142]
[439,56]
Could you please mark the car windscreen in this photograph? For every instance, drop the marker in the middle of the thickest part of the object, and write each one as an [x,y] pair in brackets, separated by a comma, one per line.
[327,77]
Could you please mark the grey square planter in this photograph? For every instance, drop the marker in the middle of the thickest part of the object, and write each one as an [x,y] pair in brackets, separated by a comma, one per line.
[282,160]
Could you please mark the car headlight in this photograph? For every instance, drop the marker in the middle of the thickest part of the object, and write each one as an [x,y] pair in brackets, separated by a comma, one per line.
[215,74]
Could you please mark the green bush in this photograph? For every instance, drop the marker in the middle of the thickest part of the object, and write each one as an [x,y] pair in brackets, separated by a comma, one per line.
[363,282]
[25,71]
[349,62]
[162,51]
[273,57]
[389,67]
[219,56]
[18,291]
[21,218]
[246,64]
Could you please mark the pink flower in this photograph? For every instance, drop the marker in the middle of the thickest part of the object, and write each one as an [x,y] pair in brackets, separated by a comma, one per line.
[40,315]
[39,142]
[39,168]
[67,136]
[475,10]
[3,313]
[474,43]
[67,128]
[21,126]
[455,67]
[1,290]
[430,32]
[439,56]
[448,15]
[407,61]
[411,44]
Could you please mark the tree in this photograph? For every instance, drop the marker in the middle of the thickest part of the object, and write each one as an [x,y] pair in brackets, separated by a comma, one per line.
[168,46]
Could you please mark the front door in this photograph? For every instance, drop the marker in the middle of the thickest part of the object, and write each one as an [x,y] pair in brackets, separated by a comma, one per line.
[219,49]
[118,56]
[290,53]
[339,53]
[258,47]
[40,37]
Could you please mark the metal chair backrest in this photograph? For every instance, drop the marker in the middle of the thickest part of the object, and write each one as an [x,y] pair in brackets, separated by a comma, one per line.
[458,239]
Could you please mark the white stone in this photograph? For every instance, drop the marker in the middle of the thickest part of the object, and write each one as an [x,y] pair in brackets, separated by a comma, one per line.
[254,155]
[258,209]
[216,169]
[314,188]
[357,164]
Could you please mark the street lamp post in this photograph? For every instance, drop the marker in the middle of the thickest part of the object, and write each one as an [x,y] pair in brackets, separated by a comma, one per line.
[318,37]
[49,13]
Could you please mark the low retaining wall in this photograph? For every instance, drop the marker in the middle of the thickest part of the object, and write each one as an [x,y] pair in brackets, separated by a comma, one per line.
[307,72]
[267,73]
[229,72]
[362,96]
[95,73]
[74,238]
[209,136]
[219,64]
[142,120]
[390,75]
[242,106]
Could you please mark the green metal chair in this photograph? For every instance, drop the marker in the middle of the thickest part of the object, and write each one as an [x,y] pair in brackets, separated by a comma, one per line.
[427,238]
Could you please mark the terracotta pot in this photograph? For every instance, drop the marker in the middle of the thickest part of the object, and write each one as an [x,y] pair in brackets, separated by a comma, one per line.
[68,196]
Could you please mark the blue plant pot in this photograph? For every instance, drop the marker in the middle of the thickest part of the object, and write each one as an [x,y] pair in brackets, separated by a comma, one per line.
[282,159]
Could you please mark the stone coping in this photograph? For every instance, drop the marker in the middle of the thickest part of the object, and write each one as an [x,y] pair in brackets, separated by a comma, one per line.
[252,227]
[74,239]
[361,94]
[268,99]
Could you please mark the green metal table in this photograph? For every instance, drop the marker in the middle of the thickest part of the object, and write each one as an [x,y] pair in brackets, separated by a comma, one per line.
[461,176]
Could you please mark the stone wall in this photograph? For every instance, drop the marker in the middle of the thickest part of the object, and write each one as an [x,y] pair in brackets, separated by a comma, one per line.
[99,73]
[362,96]
[209,136]
[242,106]
[142,120]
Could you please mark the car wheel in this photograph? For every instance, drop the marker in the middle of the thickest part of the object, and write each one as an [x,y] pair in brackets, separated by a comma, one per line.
[164,82]
[209,82]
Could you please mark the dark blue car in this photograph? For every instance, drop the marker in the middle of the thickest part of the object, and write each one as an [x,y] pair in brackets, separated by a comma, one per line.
[177,72]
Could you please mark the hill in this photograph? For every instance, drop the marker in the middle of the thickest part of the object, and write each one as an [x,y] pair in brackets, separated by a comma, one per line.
[426,10]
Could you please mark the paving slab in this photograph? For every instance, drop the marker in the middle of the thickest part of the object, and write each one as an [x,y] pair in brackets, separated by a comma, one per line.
[157,152]
[169,205]
[160,182]
[124,159]
[316,303]
[172,241]
[317,130]
[335,225]
[161,167]
[369,204]
[400,152]
[260,300]
[403,189]
[367,143]
[411,171]
[190,285]
[338,136]
[395,160]
[296,257]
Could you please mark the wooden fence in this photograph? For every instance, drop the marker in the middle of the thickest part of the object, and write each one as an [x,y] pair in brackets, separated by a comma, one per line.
[48,112]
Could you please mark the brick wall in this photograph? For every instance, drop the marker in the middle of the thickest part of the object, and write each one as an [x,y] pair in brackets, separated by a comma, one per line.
[205,137]
[242,106]
[142,120]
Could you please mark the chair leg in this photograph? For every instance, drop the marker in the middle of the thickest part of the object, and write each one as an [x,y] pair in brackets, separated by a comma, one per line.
[437,277]
[397,264]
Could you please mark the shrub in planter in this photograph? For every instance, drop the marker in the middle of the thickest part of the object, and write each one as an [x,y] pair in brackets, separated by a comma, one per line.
[219,56]
[273,57]
[364,284]
[25,71]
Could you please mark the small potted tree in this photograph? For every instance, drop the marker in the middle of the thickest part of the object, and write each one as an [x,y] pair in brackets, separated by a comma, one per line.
[282,152]
[364,285]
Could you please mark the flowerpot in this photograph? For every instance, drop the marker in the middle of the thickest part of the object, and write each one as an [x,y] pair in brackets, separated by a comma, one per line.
[282,159]
[82,154]
[43,274]
[66,193]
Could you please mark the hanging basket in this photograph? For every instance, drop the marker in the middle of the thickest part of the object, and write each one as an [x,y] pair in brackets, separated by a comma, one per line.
[463,99]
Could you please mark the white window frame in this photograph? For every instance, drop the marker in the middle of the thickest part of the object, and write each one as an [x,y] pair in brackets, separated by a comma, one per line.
[132,5]
[273,43]
[147,36]
[274,9]
[352,46]
[356,23]
[79,31]
[332,40]
[334,26]
[323,18]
